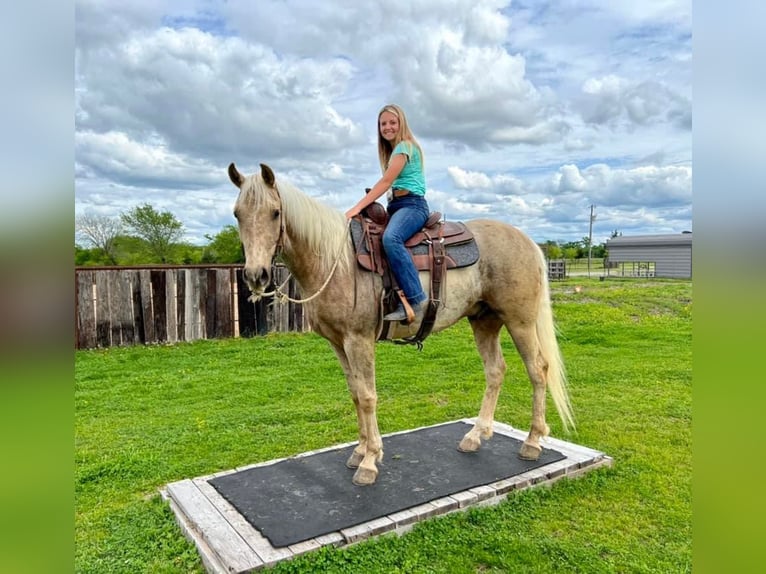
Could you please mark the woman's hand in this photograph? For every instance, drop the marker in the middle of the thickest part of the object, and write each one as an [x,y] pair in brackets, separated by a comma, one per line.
[352,212]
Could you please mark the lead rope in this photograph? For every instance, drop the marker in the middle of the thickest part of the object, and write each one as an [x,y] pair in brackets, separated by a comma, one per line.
[284,297]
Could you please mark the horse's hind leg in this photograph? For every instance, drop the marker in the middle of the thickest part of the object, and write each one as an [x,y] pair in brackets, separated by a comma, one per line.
[486,333]
[525,339]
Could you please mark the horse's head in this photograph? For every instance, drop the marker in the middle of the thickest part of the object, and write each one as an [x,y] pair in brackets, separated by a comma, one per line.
[258,210]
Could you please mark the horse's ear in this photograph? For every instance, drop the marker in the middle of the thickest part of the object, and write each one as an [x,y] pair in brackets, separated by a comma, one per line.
[267,175]
[234,175]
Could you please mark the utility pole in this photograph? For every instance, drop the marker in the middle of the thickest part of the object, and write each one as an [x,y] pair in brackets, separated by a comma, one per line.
[590,237]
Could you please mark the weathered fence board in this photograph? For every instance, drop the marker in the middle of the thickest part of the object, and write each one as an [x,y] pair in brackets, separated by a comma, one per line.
[147,314]
[246,311]
[158,304]
[102,311]
[123,328]
[138,312]
[85,304]
[172,312]
[181,304]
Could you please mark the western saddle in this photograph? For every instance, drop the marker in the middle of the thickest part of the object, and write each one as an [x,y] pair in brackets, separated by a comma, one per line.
[429,252]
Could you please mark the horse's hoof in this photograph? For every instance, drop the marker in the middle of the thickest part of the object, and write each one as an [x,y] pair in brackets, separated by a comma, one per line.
[364,476]
[529,451]
[354,460]
[469,444]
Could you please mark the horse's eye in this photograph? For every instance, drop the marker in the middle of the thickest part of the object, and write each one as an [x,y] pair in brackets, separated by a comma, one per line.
[236,215]
[275,214]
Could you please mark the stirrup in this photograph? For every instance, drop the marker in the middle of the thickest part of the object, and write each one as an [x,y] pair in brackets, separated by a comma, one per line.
[398,314]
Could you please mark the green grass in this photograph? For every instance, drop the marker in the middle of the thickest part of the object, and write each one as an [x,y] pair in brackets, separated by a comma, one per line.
[146,416]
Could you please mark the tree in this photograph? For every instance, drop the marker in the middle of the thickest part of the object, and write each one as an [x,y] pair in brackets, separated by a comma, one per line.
[599,251]
[90,256]
[552,250]
[224,247]
[572,249]
[100,231]
[160,230]
[570,252]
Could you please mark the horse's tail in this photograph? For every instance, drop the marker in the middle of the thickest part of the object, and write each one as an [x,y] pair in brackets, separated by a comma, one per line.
[546,335]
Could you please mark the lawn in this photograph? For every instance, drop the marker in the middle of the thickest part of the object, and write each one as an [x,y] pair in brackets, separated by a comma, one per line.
[146,416]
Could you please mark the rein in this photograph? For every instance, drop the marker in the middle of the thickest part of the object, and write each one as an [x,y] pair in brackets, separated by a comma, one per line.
[277,292]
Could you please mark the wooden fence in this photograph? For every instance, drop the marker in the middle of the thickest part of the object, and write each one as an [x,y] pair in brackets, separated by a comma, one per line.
[166,304]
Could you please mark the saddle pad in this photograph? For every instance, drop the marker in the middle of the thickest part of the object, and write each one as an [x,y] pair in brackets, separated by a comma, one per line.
[460,255]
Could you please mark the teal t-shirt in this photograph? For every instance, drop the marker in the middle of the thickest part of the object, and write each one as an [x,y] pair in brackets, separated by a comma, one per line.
[411,177]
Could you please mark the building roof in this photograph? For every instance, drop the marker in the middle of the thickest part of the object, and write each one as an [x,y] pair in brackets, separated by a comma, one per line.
[674,239]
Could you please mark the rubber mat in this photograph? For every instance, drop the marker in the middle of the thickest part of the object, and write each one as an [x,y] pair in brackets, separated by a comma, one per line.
[304,497]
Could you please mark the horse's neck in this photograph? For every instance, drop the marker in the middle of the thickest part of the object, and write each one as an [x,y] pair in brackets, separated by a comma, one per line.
[310,268]
[296,256]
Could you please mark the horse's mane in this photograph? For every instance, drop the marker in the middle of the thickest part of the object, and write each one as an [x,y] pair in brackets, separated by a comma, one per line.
[321,227]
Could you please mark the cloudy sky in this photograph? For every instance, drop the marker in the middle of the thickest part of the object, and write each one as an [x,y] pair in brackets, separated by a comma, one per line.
[528,111]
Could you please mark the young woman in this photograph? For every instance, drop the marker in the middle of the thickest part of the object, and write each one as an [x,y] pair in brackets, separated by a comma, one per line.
[401,161]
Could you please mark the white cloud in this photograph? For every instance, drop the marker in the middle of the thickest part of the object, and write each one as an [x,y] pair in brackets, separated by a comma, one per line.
[469,180]
[610,99]
[114,155]
[640,186]
[334,172]
[499,184]
[526,112]
[571,180]
[201,92]
[633,198]
[481,89]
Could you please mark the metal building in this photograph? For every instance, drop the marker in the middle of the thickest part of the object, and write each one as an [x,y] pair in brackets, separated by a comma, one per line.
[651,255]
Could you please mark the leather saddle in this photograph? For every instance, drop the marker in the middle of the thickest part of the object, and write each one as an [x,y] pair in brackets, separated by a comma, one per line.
[438,246]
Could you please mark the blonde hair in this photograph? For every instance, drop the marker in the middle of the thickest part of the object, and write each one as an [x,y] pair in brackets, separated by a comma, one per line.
[386,148]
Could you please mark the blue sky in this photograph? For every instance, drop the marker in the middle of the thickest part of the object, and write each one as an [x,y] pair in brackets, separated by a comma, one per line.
[528,112]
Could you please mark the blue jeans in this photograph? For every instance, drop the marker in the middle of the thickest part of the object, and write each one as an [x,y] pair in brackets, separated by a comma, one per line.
[407,215]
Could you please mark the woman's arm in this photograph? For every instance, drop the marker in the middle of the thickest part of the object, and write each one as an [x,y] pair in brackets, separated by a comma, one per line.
[395,167]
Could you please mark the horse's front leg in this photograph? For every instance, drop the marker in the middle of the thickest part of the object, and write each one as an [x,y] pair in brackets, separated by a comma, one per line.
[357,455]
[360,376]
[357,360]
[361,448]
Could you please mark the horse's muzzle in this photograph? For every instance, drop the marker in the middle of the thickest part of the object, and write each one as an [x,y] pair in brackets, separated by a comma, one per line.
[257,278]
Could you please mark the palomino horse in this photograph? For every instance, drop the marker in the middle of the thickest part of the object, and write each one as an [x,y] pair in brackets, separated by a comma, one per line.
[508,287]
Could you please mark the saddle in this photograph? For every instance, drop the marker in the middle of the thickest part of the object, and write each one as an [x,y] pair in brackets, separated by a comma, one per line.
[438,246]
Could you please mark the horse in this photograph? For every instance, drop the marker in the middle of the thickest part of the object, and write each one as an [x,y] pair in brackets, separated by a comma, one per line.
[507,287]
